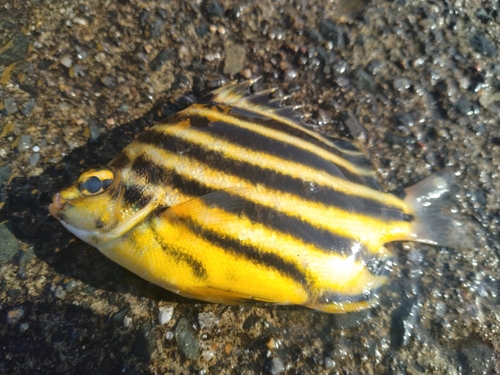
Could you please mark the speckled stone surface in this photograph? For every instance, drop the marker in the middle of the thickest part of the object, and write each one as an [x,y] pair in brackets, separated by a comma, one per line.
[416,84]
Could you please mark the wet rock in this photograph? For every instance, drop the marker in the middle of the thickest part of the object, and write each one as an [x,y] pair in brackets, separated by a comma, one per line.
[5,173]
[465,107]
[330,31]
[10,106]
[24,142]
[145,343]
[274,366]
[14,50]
[403,321]
[212,8]
[154,29]
[163,57]
[9,246]
[235,59]
[364,81]
[481,44]
[181,81]
[476,357]
[28,107]
[187,340]
[483,16]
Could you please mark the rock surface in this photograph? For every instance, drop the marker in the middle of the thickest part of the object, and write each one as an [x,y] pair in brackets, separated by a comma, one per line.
[415,83]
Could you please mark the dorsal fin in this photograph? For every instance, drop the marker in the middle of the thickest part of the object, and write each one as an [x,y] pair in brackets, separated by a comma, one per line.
[261,105]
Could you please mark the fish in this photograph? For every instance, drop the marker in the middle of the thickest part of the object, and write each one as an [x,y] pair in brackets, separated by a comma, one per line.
[233,200]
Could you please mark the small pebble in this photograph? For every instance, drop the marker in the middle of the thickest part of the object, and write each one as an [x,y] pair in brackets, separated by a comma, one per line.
[402,84]
[207,355]
[24,142]
[122,108]
[15,315]
[165,314]
[207,320]
[169,335]
[23,327]
[60,292]
[66,61]
[70,285]
[328,363]
[127,321]
[10,106]
[28,107]
[274,366]
[80,21]
[34,159]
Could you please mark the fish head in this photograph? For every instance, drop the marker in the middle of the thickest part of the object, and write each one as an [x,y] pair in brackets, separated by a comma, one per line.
[90,207]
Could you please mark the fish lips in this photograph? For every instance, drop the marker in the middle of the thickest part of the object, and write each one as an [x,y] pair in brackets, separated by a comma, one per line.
[57,206]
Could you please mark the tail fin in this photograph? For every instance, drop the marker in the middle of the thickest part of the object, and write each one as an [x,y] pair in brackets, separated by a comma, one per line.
[433,222]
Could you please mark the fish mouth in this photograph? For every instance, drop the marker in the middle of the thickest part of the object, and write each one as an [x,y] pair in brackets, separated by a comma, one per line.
[57,206]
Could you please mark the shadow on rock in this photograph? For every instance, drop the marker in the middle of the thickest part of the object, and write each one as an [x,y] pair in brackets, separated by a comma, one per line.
[26,215]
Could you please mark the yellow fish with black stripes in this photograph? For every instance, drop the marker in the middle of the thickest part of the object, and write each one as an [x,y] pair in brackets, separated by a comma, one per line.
[233,200]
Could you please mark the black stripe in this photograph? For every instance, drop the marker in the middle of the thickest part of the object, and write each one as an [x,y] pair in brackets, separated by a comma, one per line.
[271,179]
[251,253]
[196,266]
[359,160]
[120,161]
[159,175]
[153,173]
[281,223]
[134,195]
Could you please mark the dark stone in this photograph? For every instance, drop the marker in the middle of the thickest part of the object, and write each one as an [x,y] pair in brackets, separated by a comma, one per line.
[9,246]
[17,50]
[28,107]
[481,44]
[5,173]
[332,32]
[476,357]
[162,58]
[187,340]
[483,16]
[212,8]
[364,81]
[202,30]
[145,343]
[25,256]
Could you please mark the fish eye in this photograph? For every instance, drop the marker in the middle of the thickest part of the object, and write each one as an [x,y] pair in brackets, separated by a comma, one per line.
[95,181]
[92,185]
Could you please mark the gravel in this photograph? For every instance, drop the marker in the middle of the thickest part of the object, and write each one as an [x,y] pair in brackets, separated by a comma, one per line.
[415,84]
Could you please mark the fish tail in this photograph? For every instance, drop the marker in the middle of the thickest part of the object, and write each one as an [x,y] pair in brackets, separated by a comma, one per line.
[433,223]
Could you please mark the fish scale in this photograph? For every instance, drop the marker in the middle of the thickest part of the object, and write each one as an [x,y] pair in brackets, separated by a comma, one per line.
[232,200]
